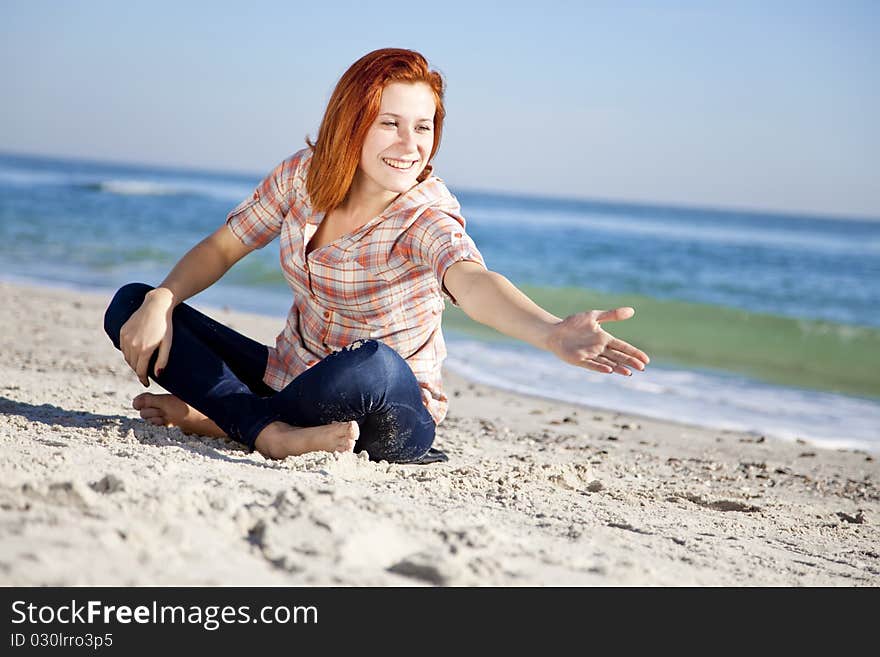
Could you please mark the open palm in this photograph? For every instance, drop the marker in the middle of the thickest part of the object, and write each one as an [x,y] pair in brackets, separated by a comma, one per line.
[580,340]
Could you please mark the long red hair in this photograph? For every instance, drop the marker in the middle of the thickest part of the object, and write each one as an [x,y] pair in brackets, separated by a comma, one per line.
[351,111]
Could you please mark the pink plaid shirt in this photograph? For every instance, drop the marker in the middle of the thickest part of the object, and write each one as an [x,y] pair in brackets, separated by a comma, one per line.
[383,281]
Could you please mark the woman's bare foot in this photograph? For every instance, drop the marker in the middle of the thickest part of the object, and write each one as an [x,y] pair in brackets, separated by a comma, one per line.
[171,411]
[279,440]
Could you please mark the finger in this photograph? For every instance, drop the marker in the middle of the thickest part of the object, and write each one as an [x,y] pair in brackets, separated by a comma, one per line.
[616,315]
[151,412]
[143,362]
[591,364]
[621,358]
[164,350]
[159,422]
[131,359]
[628,349]
[615,367]
[123,347]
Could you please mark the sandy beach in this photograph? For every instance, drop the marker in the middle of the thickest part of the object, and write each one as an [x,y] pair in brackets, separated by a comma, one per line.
[535,492]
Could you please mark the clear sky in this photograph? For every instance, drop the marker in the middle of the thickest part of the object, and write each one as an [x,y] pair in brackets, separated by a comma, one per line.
[767,105]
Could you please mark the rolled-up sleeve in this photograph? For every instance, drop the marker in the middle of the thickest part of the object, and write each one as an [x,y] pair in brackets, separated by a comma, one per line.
[438,240]
[257,220]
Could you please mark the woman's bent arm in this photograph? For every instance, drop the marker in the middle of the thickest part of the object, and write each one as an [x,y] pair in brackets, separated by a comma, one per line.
[202,266]
[150,326]
[491,299]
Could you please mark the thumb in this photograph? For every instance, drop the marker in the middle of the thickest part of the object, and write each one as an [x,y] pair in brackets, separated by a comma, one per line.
[616,315]
[164,350]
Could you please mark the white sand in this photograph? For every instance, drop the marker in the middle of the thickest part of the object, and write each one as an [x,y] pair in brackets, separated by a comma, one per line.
[535,492]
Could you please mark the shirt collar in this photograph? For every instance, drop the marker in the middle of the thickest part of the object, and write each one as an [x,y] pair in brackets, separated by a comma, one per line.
[430,191]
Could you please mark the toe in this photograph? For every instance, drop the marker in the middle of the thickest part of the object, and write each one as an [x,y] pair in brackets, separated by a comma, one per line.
[141,400]
[352,437]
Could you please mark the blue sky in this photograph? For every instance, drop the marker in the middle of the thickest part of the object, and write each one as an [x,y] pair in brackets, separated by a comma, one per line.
[767,105]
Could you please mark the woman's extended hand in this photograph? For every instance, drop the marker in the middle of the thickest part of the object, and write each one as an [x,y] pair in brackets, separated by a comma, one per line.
[581,341]
[149,327]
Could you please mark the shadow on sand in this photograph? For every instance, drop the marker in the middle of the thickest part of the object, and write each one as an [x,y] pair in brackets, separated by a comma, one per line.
[147,434]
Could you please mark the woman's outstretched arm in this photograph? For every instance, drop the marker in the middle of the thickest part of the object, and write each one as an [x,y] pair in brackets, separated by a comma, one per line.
[489,298]
[150,326]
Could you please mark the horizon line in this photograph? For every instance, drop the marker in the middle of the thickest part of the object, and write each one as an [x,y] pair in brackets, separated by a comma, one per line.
[677,205]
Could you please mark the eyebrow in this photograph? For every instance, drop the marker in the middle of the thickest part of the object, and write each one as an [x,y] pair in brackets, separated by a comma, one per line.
[398,116]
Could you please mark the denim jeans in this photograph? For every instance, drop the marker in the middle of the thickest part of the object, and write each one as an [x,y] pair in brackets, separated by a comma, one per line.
[219,372]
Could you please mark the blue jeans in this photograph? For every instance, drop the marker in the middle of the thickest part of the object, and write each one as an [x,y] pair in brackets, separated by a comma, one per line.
[219,372]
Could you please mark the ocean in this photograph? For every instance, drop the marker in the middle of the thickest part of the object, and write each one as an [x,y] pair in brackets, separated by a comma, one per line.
[760,322]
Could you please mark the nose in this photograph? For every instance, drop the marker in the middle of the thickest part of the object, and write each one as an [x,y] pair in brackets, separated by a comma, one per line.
[408,137]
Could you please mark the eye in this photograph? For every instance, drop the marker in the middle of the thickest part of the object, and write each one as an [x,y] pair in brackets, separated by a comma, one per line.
[389,122]
[425,128]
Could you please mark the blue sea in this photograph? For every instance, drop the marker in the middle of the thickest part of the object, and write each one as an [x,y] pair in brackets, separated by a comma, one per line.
[761,322]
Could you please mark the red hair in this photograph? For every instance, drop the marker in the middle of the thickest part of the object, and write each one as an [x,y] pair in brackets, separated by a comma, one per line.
[351,111]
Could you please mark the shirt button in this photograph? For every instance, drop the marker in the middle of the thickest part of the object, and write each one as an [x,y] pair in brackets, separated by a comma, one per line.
[326,313]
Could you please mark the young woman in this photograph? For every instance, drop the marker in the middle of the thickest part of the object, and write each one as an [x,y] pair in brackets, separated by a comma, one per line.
[371,244]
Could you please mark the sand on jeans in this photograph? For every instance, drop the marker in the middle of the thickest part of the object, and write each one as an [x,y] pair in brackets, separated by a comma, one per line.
[535,492]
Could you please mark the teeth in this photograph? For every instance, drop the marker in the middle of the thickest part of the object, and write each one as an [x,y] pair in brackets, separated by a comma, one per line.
[398,164]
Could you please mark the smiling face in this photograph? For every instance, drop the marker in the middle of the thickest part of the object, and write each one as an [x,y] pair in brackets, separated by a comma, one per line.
[400,140]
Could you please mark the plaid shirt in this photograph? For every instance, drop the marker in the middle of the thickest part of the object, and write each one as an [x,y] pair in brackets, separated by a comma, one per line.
[383,281]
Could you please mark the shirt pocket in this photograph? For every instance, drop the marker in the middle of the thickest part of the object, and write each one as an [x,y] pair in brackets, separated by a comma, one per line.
[361,292]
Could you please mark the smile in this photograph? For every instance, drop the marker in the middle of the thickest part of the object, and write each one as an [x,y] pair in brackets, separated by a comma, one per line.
[400,165]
